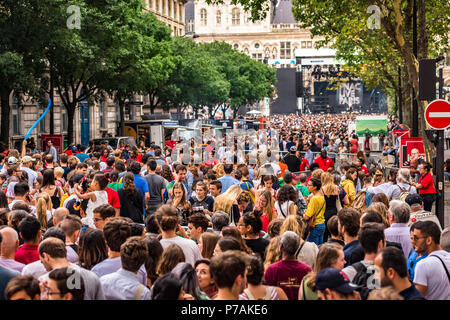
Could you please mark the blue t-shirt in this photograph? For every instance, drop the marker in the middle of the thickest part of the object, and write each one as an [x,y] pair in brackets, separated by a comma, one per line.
[412,261]
[141,184]
[82,156]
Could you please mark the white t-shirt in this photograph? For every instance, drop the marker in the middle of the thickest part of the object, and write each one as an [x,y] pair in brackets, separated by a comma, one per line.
[430,272]
[32,176]
[283,210]
[189,247]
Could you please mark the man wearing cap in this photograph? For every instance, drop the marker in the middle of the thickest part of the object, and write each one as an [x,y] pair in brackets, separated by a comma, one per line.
[9,162]
[27,164]
[333,284]
[292,161]
[417,212]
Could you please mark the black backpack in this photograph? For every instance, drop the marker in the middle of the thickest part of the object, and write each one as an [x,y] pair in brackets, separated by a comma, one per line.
[364,277]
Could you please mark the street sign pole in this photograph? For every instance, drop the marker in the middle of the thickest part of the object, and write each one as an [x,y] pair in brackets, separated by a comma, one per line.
[439,169]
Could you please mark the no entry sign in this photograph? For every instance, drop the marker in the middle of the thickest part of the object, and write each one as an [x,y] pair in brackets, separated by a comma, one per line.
[437,114]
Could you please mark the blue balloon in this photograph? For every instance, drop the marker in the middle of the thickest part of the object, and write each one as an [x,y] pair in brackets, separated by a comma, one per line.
[39,120]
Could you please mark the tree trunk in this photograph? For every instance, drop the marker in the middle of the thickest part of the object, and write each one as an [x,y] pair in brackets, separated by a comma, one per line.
[122,116]
[70,121]
[4,131]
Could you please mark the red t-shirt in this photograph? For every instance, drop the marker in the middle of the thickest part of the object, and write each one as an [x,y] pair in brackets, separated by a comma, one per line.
[113,198]
[287,275]
[304,165]
[427,182]
[364,168]
[211,162]
[324,164]
[27,253]
[354,148]
[103,159]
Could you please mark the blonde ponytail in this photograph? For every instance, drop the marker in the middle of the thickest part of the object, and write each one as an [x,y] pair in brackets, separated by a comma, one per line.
[41,209]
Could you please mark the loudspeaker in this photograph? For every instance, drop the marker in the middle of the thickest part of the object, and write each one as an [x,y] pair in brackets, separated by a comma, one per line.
[298,84]
[427,79]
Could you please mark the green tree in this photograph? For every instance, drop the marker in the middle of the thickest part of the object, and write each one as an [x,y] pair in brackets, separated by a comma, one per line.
[250,80]
[19,68]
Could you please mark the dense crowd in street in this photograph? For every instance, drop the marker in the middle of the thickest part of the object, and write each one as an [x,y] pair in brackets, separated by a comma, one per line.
[320,219]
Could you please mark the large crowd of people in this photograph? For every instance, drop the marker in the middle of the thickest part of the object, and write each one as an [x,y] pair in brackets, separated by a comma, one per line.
[318,221]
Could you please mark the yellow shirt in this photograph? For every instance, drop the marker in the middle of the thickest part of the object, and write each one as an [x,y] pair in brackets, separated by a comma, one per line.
[315,204]
[349,187]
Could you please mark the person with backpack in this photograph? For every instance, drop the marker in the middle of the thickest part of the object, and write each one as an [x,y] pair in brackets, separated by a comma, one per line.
[402,188]
[372,240]
[349,185]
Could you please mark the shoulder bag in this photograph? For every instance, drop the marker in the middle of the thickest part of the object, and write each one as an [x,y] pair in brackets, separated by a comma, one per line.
[311,221]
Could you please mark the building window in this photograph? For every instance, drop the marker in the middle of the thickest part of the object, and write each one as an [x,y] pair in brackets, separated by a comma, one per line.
[181,12]
[169,8]
[257,56]
[157,5]
[102,114]
[303,44]
[203,17]
[218,17]
[236,46]
[309,44]
[174,10]
[190,25]
[285,51]
[149,4]
[235,17]
[256,45]
[163,7]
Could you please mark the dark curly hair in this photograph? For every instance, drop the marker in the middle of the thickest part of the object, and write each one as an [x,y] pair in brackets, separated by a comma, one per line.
[287,193]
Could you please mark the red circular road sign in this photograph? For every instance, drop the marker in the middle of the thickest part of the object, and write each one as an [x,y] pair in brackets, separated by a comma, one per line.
[437,114]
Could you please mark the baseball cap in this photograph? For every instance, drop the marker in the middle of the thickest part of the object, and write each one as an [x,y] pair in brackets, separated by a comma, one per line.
[413,198]
[27,159]
[293,149]
[12,160]
[334,279]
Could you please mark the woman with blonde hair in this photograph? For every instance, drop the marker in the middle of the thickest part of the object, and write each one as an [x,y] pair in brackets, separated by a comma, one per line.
[44,209]
[330,192]
[273,252]
[59,180]
[227,202]
[265,207]
[307,251]
[330,255]
[380,207]
[219,170]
